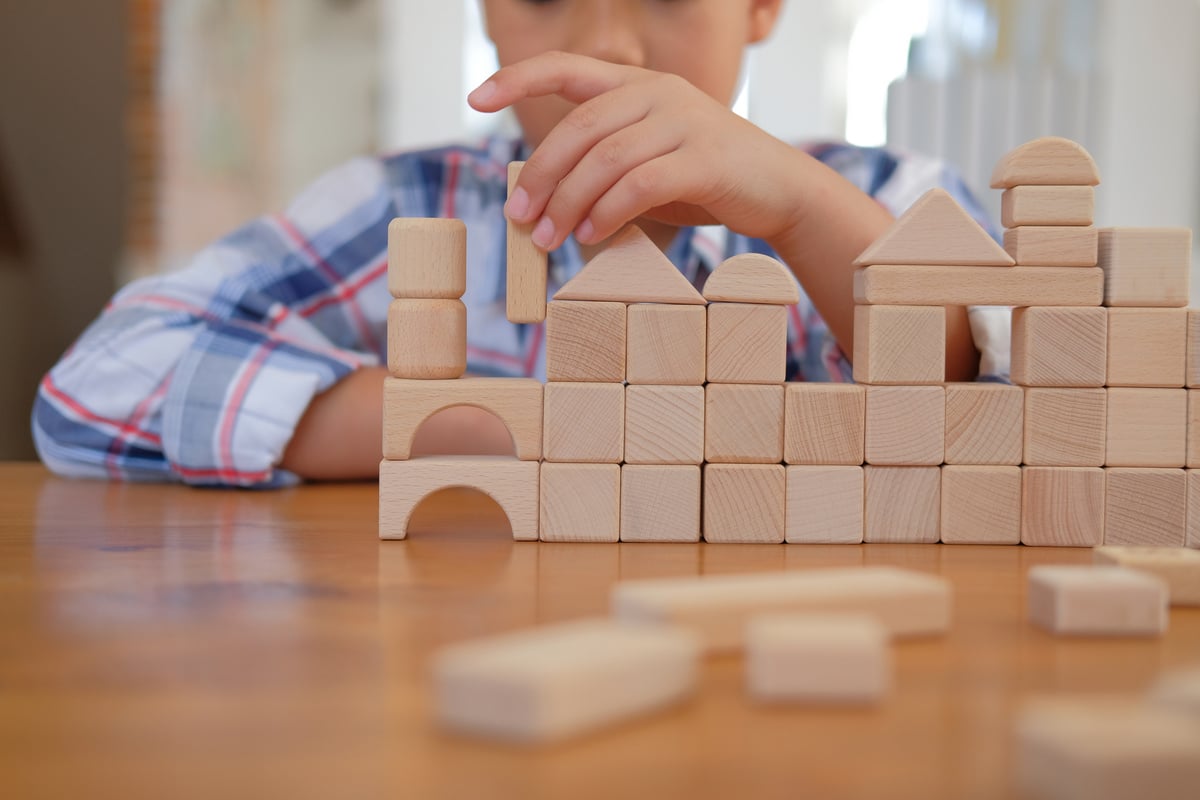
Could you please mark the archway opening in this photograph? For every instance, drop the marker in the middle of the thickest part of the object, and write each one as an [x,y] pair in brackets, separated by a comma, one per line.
[463,430]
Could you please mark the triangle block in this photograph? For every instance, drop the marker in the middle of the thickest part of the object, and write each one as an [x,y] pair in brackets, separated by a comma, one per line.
[631,270]
[1049,161]
[752,278]
[936,231]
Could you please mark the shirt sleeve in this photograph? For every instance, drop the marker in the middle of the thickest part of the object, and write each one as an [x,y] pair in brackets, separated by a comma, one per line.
[201,376]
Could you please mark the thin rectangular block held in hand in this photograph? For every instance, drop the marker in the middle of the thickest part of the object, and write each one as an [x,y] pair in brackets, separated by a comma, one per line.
[1147,347]
[427,258]
[585,341]
[1146,428]
[899,345]
[824,423]
[1047,205]
[1062,506]
[744,503]
[1145,507]
[1096,601]
[427,339]
[667,344]
[581,503]
[978,286]
[660,503]
[984,424]
[1146,266]
[1065,427]
[1052,246]
[527,268]
[1060,346]
[747,343]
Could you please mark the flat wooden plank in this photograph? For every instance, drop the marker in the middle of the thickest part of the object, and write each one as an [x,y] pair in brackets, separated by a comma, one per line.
[525,300]
[427,339]
[981,505]
[1052,246]
[1047,161]
[824,505]
[1062,506]
[744,503]
[580,503]
[631,269]
[660,503]
[1146,267]
[585,341]
[427,258]
[817,658]
[667,345]
[752,278]
[935,230]
[1146,428]
[1060,346]
[1178,567]
[1047,205]
[985,423]
[1080,600]
[978,286]
[899,345]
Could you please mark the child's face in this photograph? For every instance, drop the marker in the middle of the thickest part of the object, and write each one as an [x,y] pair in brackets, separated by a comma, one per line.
[699,40]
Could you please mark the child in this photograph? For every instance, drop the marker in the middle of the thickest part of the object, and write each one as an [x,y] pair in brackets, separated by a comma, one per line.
[259,364]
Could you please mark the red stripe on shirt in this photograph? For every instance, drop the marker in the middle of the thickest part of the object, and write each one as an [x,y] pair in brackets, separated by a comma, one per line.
[231,410]
[124,429]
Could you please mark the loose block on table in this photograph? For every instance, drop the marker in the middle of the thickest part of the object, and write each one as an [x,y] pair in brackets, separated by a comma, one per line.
[1145,507]
[747,343]
[427,339]
[1060,346]
[935,230]
[664,425]
[660,503]
[820,658]
[984,423]
[824,505]
[584,422]
[585,341]
[1046,161]
[1146,266]
[1062,506]
[1178,567]
[824,423]
[1096,601]
[1146,428]
[916,285]
[752,278]
[1147,347]
[1065,427]
[903,504]
[743,424]
[427,258]
[667,344]
[1047,205]
[981,505]
[744,503]
[903,345]
[527,267]
[906,425]
[1052,246]
[581,503]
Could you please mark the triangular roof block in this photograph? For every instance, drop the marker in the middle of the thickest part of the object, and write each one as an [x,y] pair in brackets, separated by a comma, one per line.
[752,278]
[936,231]
[631,270]
[1049,161]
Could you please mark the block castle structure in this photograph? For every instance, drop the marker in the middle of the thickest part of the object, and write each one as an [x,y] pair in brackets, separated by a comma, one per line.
[666,416]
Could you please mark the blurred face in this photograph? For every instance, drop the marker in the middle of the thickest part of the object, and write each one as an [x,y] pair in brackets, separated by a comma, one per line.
[699,40]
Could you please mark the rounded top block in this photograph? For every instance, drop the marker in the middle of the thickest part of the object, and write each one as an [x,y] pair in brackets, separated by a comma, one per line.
[1048,161]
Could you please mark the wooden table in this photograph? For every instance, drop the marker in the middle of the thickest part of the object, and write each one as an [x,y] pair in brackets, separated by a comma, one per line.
[158,641]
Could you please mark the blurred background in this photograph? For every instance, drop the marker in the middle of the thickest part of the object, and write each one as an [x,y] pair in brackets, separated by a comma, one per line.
[133,132]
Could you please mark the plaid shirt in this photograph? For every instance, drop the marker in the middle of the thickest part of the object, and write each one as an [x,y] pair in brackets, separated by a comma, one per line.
[201,376]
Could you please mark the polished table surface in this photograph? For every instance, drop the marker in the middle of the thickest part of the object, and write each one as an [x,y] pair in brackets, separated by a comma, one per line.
[160,641]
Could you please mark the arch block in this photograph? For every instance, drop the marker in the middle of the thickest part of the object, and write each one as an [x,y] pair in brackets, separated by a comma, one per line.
[513,484]
[516,401]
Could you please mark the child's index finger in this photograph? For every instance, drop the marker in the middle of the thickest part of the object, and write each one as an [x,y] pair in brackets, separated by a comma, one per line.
[573,77]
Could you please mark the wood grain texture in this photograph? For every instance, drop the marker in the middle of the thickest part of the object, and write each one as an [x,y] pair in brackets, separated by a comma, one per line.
[1146,266]
[1193,349]
[1047,161]
[664,425]
[1062,506]
[899,345]
[427,339]
[1065,427]
[752,278]
[585,341]
[1147,347]
[1145,507]
[906,425]
[985,423]
[747,343]
[1193,508]
[824,505]
[1052,246]
[427,258]
[512,483]
[517,402]
[744,503]
[1146,428]
[525,300]
[1060,346]
[1097,601]
[660,503]
[824,423]
[743,424]
[903,504]
[981,505]
[979,286]
[584,422]
[1193,429]
[667,345]
[1178,567]
[631,270]
[817,658]
[581,503]
[935,230]
[1047,205]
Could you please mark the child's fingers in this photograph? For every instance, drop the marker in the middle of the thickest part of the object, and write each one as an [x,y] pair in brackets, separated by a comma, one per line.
[655,183]
[573,77]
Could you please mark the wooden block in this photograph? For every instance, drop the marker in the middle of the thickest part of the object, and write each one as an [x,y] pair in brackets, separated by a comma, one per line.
[747,343]
[1062,506]
[664,425]
[660,503]
[817,658]
[1193,429]
[978,286]
[631,269]
[1178,567]
[1048,161]
[903,504]
[1065,427]
[527,267]
[1146,266]
[935,230]
[1147,347]
[517,402]
[744,503]
[1059,346]
[427,339]
[981,505]
[903,345]
[667,345]
[581,503]
[1146,428]
[1080,600]
[513,484]
[427,258]
[824,505]
[1145,507]
[548,684]
[824,423]
[906,425]
[1047,205]
[1179,691]
[984,423]
[1193,349]
[1052,246]
[743,424]
[716,607]
[584,422]
[585,341]
[752,278]
[1193,508]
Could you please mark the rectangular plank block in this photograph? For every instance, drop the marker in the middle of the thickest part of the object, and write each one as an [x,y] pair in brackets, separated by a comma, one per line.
[664,424]
[981,505]
[1062,506]
[822,658]
[744,503]
[1065,427]
[584,422]
[978,286]
[716,607]
[1146,266]
[427,258]
[1145,507]
[581,503]
[1178,691]
[1084,600]
[985,423]
[660,503]
[552,683]
[527,268]
[1052,246]
[903,504]
[901,345]
[1178,567]
[1059,346]
[747,343]
[1047,205]
[824,423]
[1146,428]
[1147,347]
[824,505]
[743,424]
[906,425]
[427,339]
[585,341]
[667,344]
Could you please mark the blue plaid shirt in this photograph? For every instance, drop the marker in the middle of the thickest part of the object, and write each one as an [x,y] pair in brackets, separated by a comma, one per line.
[201,376]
